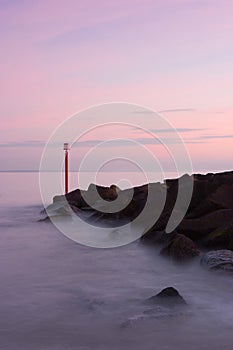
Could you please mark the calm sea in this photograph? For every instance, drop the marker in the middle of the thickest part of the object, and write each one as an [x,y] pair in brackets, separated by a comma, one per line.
[59,295]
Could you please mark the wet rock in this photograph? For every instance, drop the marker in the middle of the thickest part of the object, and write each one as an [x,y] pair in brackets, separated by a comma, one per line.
[218,260]
[168,297]
[180,248]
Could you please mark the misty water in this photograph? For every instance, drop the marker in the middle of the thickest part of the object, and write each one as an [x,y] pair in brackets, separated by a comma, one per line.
[56,294]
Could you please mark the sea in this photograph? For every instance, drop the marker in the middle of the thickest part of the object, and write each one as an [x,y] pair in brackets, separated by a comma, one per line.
[56,294]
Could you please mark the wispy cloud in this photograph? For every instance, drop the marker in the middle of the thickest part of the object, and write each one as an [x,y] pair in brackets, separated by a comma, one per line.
[133,141]
[178,110]
[30,143]
[170,130]
[102,143]
[144,112]
[206,137]
[174,110]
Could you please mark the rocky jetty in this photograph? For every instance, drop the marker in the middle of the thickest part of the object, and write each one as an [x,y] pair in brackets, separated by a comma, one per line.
[207,224]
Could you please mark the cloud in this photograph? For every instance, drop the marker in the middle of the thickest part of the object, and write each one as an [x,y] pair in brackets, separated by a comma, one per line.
[143,112]
[102,143]
[166,111]
[30,143]
[133,141]
[181,130]
[208,137]
[177,110]
[163,140]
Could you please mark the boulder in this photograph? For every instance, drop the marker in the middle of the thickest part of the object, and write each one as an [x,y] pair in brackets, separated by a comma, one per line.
[106,193]
[221,238]
[168,297]
[200,227]
[206,206]
[202,186]
[223,196]
[180,248]
[157,238]
[74,198]
[218,260]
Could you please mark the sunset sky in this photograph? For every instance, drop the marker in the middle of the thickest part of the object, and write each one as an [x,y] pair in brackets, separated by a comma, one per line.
[172,56]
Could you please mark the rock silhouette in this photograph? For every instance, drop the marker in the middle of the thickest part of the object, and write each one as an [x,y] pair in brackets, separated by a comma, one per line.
[208,222]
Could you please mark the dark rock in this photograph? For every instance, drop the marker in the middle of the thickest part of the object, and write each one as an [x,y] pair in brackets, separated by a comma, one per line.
[218,260]
[220,198]
[180,248]
[223,196]
[132,210]
[155,238]
[74,198]
[107,193]
[211,206]
[198,228]
[221,238]
[168,297]
[205,207]
[202,186]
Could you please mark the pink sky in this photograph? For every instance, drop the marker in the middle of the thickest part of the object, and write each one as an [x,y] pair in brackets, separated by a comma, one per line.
[173,56]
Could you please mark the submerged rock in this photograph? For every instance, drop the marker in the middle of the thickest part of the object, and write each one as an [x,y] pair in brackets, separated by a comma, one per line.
[168,297]
[180,248]
[218,260]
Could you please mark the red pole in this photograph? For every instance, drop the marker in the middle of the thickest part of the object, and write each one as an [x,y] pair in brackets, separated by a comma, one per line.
[66,173]
[66,149]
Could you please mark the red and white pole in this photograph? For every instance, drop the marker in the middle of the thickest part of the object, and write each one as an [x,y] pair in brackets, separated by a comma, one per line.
[66,149]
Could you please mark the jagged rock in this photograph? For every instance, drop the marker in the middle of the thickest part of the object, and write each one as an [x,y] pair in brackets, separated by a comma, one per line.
[219,198]
[222,196]
[221,238]
[211,206]
[180,248]
[197,228]
[168,297]
[154,237]
[107,193]
[59,208]
[218,260]
[206,206]
[74,198]
[202,187]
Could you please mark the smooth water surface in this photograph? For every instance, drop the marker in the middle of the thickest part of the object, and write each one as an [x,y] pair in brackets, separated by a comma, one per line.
[58,295]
